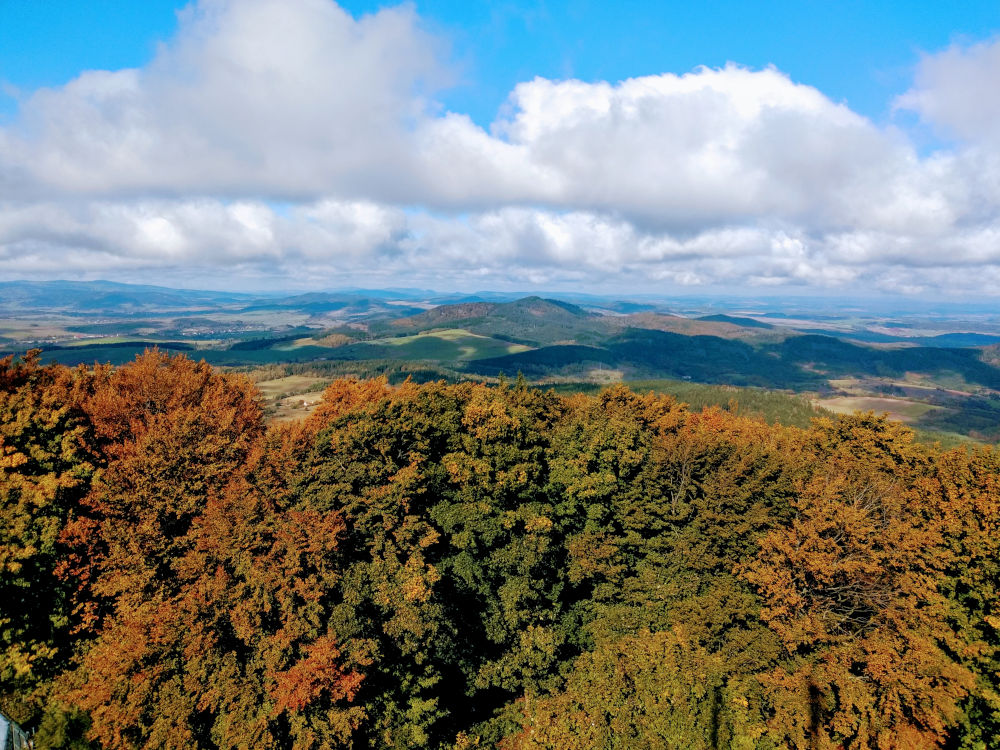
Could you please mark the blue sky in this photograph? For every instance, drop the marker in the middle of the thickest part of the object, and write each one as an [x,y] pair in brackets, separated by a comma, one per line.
[859,51]
[822,145]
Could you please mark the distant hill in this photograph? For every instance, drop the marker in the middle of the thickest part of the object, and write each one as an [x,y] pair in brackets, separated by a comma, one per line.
[958,339]
[533,321]
[964,339]
[645,353]
[108,297]
[713,325]
[349,306]
[84,298]
[445,315]
[799,362]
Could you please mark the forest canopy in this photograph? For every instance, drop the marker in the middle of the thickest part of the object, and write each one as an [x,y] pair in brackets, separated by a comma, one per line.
[460,566]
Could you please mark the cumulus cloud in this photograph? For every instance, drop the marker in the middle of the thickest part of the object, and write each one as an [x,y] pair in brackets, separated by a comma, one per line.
[715,146]
[957,91]
[252,97]
[290,138]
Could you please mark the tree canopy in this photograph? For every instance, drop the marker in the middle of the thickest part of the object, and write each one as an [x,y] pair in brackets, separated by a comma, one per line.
[466,565]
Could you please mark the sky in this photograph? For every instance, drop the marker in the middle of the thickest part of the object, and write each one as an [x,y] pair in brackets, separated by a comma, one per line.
[785,147]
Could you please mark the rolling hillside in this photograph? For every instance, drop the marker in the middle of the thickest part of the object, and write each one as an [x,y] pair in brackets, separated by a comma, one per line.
[944,373]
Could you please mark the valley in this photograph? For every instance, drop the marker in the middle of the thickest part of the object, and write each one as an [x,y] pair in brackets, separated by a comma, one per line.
[935,369]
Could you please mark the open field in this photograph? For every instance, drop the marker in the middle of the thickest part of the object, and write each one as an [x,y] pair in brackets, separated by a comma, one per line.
[291,385]
[291,397]
[292,408]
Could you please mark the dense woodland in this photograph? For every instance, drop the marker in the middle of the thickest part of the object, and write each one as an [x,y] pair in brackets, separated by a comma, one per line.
[461,566]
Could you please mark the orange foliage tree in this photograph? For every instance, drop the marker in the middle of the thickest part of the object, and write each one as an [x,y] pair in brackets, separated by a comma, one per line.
[851,587]
[203,591]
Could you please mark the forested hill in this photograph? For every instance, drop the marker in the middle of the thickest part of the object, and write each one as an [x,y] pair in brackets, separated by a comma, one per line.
[459,566]
[805,361]
[531,320]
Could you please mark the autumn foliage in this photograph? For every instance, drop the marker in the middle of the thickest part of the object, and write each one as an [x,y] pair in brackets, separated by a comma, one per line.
[465,565]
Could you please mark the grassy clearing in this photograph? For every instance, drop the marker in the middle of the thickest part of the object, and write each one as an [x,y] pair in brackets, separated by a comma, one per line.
[902,410]
[291,397]
[291,385]
[292,408]
[296,344]
[945,440]
[334,340]
[330,341]
[946,380]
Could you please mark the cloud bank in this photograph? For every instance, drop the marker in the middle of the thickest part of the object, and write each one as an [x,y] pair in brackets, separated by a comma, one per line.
[285,140]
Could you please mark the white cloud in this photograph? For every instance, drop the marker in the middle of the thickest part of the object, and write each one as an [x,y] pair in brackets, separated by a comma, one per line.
[333,243]
[252,97]
[724,176]
[958,91]
[717,146]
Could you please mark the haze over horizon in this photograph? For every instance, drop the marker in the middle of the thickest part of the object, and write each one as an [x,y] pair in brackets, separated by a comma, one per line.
[248,144]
